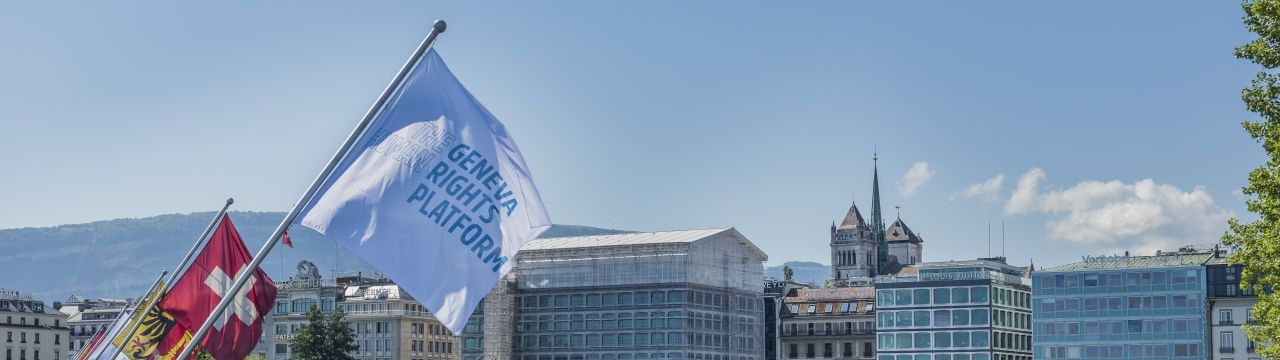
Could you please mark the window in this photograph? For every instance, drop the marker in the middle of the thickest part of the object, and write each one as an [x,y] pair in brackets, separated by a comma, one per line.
[826,350]
[793,351]
[942,318]
[848,350]
[942,296]
[809,353]
[1226,342]
[921,297]
[1224,317]
[902,297]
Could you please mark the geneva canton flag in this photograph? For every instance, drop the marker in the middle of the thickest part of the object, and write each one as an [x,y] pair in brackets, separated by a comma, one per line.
[434,193]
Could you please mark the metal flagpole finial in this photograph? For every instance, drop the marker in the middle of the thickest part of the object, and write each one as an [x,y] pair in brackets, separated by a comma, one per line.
[439,25]
[231,201]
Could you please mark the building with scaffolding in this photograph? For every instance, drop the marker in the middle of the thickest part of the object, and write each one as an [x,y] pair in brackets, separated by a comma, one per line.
[694,294]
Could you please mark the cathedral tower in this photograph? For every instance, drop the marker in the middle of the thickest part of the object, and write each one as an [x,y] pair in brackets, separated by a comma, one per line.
[877,222]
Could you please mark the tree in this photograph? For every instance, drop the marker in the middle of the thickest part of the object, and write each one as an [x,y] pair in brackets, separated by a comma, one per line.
[1256,244]
[324,337]
[787,272]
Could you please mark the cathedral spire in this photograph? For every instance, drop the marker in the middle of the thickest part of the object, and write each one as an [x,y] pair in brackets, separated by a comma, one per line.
[877,222]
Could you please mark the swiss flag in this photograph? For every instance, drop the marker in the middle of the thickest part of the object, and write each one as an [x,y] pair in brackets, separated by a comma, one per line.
[195,295]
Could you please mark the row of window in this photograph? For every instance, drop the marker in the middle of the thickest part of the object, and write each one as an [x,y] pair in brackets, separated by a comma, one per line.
[301,305]
[1227,343]
[1011,341]
[635,320]
[1225,316]
[969,356]
[1011,297]
[629,356]
[638,339]
[1132,350]
[932,318]
[22,320]
[443,347]
[429,329]
[607,299]
[22,338]
[936,296]
[934,340]
[828,328]
[1172,277]
[826,308]
[22,354]
[1137,302]
[828,350]
[1118,327]
[1011,319]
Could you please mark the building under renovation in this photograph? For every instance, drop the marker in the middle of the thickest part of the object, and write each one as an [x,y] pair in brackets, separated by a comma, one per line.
[693,294]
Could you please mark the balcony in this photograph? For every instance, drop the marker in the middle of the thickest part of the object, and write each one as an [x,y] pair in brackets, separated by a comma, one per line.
[1226,322]
[1227,350]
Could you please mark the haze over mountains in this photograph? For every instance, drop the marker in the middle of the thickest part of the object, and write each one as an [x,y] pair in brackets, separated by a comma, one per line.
[121,258]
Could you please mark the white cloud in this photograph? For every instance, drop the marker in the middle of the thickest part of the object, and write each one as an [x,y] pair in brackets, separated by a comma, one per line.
[916,176]
[1143,215]
[987,190]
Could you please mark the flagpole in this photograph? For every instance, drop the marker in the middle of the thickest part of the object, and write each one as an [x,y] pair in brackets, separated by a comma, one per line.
[199,242]
[134,327]
[436,28]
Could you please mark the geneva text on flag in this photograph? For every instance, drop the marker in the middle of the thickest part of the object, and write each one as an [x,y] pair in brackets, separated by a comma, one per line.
[435,194]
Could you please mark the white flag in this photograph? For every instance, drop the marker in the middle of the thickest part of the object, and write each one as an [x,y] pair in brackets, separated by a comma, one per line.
[435,194]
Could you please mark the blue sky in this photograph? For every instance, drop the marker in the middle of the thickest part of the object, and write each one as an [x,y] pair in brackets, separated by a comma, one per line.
[1096,127]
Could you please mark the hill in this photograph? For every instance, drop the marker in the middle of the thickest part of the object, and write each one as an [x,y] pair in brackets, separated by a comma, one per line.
[804,271]
[121,258]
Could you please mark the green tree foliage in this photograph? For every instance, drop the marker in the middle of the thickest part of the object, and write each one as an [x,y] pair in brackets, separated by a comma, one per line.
[1257,243]
[787,273]
[324,337]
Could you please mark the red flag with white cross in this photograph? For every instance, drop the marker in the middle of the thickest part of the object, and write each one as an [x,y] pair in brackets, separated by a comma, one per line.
[196,294]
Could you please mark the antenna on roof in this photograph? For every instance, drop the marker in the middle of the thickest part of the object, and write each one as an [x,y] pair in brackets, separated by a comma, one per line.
[988,239]
[1002,238]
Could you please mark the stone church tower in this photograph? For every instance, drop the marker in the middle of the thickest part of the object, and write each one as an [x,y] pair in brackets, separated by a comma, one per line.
[864,249]
[858,248]
[904,245]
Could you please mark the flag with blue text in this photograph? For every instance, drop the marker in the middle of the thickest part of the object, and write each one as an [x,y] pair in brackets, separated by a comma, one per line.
[434,193]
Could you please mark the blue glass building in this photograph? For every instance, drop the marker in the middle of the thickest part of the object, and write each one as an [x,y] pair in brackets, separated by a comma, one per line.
[1122,307]
[954,310]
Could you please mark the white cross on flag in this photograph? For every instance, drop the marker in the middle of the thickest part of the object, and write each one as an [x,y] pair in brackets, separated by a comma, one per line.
[202,286]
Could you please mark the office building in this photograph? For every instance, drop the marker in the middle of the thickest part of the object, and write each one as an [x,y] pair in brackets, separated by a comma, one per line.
[693,294]
[30,329]
[954,310]
[1122,307]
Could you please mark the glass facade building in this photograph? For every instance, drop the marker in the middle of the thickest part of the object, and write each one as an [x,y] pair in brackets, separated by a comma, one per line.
[1122,307]
[955,310]
[666,295]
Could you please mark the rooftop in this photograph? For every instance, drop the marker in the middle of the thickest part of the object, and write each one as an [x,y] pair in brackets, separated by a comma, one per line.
[632,239]
[1130,262]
